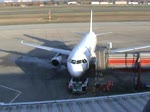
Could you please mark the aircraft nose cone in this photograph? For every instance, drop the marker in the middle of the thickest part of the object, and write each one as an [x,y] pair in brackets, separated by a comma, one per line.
[75,74]
[75,70]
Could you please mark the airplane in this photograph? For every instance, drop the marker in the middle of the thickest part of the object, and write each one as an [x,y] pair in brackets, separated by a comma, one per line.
[82,54]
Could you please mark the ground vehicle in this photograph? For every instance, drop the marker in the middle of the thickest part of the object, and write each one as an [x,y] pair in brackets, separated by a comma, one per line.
[77,86]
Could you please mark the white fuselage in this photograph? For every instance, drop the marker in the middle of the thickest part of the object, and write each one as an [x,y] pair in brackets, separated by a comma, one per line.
[80,57]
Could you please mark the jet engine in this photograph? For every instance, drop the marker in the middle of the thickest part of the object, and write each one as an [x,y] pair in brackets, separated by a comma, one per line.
[57,60]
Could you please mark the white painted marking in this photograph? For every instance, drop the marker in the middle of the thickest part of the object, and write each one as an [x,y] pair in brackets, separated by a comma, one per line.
[19,92]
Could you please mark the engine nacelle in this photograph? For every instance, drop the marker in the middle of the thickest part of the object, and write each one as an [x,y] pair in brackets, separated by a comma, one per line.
[57,60]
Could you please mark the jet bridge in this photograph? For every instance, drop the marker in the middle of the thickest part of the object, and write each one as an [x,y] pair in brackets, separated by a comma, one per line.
[125,61]
[136,62]
[128,60]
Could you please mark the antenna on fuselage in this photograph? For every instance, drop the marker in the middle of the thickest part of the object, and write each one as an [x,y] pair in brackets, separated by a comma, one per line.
[91,22]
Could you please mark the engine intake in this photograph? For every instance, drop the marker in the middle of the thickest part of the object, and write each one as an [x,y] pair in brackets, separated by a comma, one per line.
[56,61]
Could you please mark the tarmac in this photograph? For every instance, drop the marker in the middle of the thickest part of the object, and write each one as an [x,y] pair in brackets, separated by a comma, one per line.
[26,73]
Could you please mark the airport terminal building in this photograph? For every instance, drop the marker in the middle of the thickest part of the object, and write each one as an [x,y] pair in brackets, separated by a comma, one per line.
[136,102]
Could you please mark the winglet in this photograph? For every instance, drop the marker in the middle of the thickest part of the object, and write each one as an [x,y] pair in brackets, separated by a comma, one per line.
[91,22]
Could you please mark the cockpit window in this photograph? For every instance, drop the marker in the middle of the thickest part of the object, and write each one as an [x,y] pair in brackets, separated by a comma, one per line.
[78,61]
[84,60]
[73,61]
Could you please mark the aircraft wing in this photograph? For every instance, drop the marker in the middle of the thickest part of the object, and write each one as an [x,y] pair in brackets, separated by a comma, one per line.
[129,49]
[79,33]
[99,34]
[66,52]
